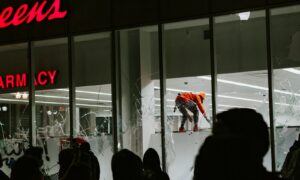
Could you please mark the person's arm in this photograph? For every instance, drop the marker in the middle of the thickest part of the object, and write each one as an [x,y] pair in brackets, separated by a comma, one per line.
[202,110]
[200,106]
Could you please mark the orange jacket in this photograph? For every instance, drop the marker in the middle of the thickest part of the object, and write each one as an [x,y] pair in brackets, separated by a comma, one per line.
[188,96]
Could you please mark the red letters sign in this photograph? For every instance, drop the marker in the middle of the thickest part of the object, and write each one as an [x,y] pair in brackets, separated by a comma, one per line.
[24,14]
[20,80]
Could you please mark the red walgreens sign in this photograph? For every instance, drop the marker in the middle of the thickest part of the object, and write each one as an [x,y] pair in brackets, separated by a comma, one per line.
[20,80]
[24,14]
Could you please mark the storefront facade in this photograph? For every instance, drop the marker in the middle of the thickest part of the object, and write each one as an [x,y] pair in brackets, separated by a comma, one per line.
[109,71]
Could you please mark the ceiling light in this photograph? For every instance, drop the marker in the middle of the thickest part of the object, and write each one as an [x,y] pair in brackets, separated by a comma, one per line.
[25,95]
[13,100]
[86,92]
[4,108]
[232,106]
[92,105]
[168,100]
[247,85]
[240,98]
[81,99]
[179,90]
[244,16]
[49,113]
[234,83]
[292,70]
[18,95]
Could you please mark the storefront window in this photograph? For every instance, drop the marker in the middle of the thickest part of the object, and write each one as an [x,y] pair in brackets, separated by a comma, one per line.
[285,45]
[14,109]
[51,98]
[93,96]
[139,127]
[187,56]
[241,55]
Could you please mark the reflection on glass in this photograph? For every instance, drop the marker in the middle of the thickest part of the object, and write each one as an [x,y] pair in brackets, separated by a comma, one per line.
[14,109]
[187,56]
[285,39]
[93,96]
[52,99]
[139,127]
[241,54]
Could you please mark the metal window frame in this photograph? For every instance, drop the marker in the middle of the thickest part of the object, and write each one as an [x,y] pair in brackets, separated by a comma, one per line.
[270,89]
[32,105]
[72,85]
[115,68]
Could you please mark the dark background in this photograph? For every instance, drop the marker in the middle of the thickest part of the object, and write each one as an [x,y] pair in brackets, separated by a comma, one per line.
[87,16]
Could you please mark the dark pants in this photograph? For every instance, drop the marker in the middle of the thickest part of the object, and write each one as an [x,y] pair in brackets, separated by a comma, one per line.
[191,106]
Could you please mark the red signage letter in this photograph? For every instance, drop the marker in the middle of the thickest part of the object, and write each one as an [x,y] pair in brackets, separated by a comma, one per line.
[10,80]
[1,83]
[27,14]
[56,14]
[19,17]
[52,76]
[42,82]
[5,15]
[21,81]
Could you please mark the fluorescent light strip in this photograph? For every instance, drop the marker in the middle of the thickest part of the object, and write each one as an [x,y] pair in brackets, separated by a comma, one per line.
[158,105]
[63,97]
[59,103]
[292,70]
[92,105]
[179,90]
[229,97]
[168,100]
[222,96]
[49,102]
[13,100]
[86,92]
[234,83]
[248,85]
[240,98]
[232,106]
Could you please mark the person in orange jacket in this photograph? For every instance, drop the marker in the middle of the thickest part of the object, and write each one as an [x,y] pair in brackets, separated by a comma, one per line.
[192,102]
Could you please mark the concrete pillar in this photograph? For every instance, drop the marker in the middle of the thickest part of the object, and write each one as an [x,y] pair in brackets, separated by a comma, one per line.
[147,89]
[138,103]
[130,91]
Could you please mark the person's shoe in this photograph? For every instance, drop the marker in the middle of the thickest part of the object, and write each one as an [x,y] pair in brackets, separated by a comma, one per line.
[196,127]
[181,129]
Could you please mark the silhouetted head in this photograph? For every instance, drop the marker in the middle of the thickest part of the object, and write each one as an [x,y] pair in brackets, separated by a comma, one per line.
[151,160]
[246,124]
[26,167]
[85,146]
[65,159]
[35,152]
[76,142]
[236,149]
[227,158]
[126,165]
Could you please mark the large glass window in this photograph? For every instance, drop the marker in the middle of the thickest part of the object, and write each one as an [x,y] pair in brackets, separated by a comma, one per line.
[93,96]
[139,127]
[285,49]
[52,98]
[241,54]
[14,109]
[187,56]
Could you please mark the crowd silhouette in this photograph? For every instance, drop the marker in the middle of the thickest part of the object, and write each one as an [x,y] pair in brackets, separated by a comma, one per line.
[234,151]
